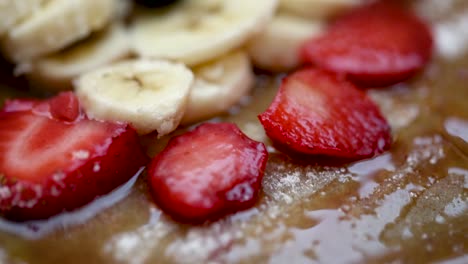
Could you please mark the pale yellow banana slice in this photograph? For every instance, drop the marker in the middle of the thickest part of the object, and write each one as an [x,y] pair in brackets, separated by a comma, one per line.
[219,85]
[276,49]
[318,9]
[57,24]
[197,31]
[55,72]
[13,11]
[151,95]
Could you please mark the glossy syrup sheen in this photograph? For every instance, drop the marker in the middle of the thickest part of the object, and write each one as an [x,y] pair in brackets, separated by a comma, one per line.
[409,205]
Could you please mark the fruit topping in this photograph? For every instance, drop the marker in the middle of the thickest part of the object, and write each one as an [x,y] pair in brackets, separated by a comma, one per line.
[65,106]
[375,45]
[14,105]
[51,161]
[207,173]
[218,86]
[317,112]
[213,28]
[53,26]
[151,95]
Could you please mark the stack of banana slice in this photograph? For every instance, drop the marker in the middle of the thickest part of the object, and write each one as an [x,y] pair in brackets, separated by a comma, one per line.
[183,63]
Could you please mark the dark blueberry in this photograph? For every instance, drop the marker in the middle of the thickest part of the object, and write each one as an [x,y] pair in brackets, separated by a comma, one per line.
[155,3]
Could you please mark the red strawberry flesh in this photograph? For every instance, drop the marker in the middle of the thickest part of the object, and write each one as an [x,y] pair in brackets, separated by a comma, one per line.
[207,173]
[48,166]
[318,113]
[375,45]
[19,105]
[65,106]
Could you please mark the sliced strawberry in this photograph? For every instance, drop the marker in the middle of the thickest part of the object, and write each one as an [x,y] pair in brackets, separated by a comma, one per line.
[65,106]
[316,112]
[20,105]
[48,166]
[208,172]
[376,45]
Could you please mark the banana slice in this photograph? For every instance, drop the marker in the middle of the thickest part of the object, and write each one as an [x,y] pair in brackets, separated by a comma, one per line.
[218,86]
[197,31]
[12,11]
[151,95]
[122,9]
[54,26]
[289,30]
[318,9]
[55,72]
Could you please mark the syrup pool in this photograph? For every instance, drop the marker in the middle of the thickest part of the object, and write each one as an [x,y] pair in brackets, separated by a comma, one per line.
[409,205]
[39,228]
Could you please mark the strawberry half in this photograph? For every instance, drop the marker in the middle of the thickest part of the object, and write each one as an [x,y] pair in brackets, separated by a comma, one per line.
[375,45]
[64,106]
[54,159]
[207,173]
[316,112]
